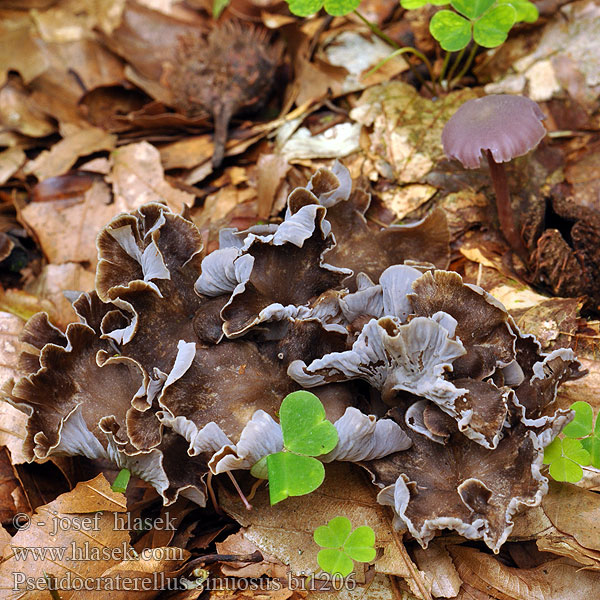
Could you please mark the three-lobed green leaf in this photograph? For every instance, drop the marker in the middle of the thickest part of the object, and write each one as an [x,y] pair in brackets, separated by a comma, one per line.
[488,22]
[341,546]
[306,433]
[293,475]
[336,8]
[493,27]
[472,9]
[452,31]
[580,446]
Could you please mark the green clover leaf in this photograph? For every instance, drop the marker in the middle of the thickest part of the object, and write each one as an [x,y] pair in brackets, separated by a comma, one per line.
[526,11]
[339,8]
[293,475]
[582,424]
[452,31]
[592,444]
[359,545]
[306,433]
[472,9]
[492,29]
[336,8]
[565,457]
[341,546]
[304,8]
[411,4]
[304,426]
[334,534]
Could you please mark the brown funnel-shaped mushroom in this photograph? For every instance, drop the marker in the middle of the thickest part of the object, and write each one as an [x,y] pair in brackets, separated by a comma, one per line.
[503,127]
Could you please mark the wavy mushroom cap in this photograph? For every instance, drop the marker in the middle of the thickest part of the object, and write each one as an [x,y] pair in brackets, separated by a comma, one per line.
[507,126]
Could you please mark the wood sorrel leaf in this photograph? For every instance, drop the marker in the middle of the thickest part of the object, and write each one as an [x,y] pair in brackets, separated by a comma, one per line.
[293,475]
[592,444]
[452,31]
[526,11]
[334,534]
[360,544]
[492,29]
[304,427]
[305,8]
[564,469]
[582,424]
[472,9]
[335,561]
[411,4]
[339,8]
[574,450]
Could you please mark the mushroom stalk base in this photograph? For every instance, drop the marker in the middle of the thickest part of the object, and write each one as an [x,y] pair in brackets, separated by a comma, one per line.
[505,211]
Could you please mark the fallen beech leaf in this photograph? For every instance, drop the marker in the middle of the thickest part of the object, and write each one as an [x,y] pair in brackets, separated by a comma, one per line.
[10,161]
[554,580]
[281,529]
[406,128]
[19,113]
[148,575]
[438,570]
[88,497]
[238,544]
[29,61]
[10,346]
[271,170]
[12,498]
[56,279]
[12,431]
[67,228]
[22,304]
[62,156]
[137,177]
[574,512]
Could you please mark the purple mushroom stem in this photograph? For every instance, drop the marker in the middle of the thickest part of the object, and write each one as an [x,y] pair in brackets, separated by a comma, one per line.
[501,127]
[505,212]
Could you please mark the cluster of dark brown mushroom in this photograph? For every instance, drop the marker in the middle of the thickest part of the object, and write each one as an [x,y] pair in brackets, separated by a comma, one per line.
[180,361]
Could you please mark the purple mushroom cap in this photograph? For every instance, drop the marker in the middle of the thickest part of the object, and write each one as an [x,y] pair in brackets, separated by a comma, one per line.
[507,126]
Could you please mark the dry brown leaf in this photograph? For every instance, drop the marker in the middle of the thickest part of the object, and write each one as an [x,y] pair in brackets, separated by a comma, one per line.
[10,346]
[72,20]
[12,498]
[56,279]
[63,155]
[271,170]
[137,177]
[555,580]
[439,570]
[218,205]
[29,61]
[10,162]
[237,544]
[282,529]
[148,576]
[67,228]
[94,535]
[12,431]
[21,303]
[19,113]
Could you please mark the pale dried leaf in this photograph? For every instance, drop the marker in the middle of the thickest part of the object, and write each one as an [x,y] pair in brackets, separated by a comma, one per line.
[554,580]
[63,155]
[137,178]
[10,161]
[67,228]
[438,569]
[56,279]
[281,529]
[89,497]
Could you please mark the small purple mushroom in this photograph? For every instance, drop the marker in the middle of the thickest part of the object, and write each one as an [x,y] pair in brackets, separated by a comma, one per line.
[503,127]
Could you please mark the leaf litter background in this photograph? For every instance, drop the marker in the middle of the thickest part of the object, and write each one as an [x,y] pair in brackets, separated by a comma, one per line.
[89,130]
